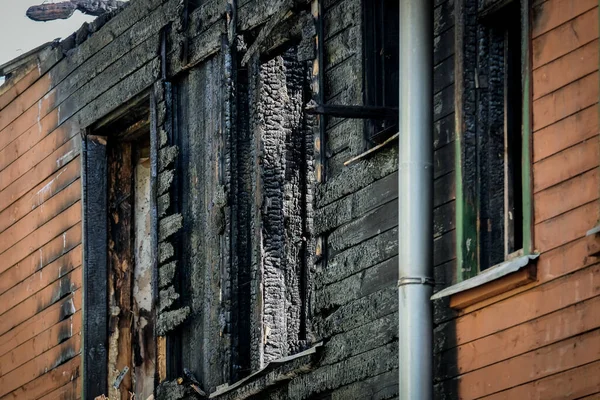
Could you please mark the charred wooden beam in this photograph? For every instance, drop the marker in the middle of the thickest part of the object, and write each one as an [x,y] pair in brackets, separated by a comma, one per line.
[359,112]
[63,10]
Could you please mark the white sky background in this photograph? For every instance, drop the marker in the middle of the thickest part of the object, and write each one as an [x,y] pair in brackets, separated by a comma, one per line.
[19,34]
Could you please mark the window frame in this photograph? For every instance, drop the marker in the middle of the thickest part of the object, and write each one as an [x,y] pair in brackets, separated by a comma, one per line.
[467,232]
[372,77]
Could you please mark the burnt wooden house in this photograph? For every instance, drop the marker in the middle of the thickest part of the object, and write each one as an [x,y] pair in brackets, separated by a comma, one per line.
[200,199]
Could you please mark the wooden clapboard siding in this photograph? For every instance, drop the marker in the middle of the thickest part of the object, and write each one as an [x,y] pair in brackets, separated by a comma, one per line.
[48,382]
[41,343]
[565,133]
[10,92]
[41,116]
[71,390]
[542,339]
[355,295]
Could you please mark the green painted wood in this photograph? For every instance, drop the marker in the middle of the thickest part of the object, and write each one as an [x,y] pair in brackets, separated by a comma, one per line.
[526,170]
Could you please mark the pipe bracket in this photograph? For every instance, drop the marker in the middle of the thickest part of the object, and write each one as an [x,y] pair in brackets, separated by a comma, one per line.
[418,280]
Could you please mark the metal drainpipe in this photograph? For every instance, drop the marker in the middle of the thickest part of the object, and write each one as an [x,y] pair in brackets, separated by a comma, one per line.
[415,200]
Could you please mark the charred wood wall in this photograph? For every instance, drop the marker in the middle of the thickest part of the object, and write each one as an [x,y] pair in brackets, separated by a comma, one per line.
[239,277]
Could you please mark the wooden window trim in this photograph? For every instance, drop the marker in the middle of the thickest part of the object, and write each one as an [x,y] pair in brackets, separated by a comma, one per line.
[466,217]
[95,267]
[491,282]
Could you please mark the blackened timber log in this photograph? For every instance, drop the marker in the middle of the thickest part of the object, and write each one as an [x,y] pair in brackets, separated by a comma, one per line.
[63,10]
[359,112]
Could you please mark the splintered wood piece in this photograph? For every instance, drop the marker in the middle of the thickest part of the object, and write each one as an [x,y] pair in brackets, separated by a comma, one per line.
[63,10]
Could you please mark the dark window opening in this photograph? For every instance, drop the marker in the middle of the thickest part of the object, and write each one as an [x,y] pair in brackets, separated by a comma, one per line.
[381,61]
[499,137]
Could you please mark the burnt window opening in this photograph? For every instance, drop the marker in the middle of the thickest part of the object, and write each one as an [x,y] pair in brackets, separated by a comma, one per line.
[118,264]
[498,81]
[274,210]
[381,62]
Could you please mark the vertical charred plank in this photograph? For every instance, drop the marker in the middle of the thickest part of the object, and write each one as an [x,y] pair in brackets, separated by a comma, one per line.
[95,299]
[154,145]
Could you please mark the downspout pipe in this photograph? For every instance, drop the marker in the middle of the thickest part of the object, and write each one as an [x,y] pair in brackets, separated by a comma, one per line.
[415,201]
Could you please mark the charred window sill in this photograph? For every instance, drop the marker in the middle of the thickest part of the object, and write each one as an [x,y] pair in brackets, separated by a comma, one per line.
[491,282]
[274,373]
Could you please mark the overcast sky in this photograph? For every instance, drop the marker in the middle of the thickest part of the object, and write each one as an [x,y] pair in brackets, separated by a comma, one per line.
[19,34]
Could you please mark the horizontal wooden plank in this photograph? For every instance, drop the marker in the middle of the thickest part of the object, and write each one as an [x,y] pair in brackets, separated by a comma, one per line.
[444,219]
[566,227]
[347,135]
[565,101]
[443,131]
[359,257]
[48,382]
[552,13]
[24,101]
[10,93]
[564,70]
[443,103]
[34,220]
[381,219]
[526,337]
[341,16]
[41,279]
[536,302]
[443,160]
[41,343]
[357,368]
[345,44]
[444,189]
[443,17]
[364,338]
[30,201]
[18,126]
[443,74]
[380,387]
[359,312]
[531,366]
[357,204]
[444,248]
[443,46]
[566,196]
[565,165]
[51,251]
[134,85]
[70,391]
[40,365]
[565,38]
[40,172]
[571,384]
[69,283]
[80,89]
[359,285]
[24,142]
[565,133]
[357,176]
[124,69]
[345,77]
[40,322]
[53,228]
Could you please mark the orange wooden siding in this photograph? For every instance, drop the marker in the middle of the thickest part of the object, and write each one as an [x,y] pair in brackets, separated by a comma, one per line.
[40,244]
[542,340]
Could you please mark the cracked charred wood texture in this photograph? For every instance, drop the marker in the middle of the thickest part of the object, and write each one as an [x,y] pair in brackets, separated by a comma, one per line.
[64,10]
[121,267]
[283,135]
